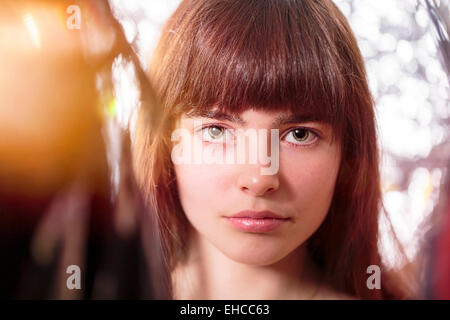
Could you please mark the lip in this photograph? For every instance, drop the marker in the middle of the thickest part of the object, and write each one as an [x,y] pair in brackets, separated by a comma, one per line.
[257,214]
[256,221]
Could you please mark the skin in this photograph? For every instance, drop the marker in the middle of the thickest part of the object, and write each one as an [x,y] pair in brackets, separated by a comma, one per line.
[227,263]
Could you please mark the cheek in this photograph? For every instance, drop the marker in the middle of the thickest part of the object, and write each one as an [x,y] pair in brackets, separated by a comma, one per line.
[200,188]
[312,177]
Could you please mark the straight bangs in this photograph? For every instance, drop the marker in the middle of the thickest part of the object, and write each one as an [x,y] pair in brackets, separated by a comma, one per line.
[263,55]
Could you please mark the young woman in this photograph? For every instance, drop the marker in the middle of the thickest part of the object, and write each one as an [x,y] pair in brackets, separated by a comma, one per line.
[307,226]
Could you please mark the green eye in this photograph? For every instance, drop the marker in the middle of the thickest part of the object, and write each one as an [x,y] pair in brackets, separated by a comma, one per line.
[215,132]
[300,134]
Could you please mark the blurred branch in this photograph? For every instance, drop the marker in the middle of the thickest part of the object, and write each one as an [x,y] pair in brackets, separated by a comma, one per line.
[439,14]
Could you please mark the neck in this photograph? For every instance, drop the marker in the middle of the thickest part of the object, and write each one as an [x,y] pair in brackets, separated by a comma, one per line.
[209,274]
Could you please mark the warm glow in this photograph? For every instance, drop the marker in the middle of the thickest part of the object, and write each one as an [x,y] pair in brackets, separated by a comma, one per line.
[32,30]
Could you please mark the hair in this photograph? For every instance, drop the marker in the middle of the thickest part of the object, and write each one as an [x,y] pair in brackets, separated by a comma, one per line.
[298,56]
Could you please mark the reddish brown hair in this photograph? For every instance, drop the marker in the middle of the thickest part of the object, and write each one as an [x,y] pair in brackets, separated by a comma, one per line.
[295,55]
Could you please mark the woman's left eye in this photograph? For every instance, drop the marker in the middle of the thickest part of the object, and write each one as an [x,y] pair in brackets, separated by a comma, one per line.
[301,136]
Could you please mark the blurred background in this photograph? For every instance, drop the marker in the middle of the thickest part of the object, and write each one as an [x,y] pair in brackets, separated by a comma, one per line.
[100,65]
[67,192]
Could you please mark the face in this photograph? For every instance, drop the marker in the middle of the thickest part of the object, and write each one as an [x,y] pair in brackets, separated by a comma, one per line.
[250,216]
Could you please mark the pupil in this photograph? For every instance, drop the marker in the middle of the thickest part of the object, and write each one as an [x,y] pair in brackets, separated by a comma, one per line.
[300,134]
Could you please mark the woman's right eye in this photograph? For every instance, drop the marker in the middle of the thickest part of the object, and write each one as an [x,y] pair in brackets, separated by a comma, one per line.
[215,134]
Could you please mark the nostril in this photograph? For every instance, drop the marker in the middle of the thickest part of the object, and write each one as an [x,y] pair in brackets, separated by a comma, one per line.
[257,192]
[257,185]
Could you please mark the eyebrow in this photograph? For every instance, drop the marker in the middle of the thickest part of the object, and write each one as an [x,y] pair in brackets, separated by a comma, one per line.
[294,118]
[280,120]
[216,115]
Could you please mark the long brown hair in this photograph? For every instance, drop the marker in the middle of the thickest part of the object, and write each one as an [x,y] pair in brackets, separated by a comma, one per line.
[294,55]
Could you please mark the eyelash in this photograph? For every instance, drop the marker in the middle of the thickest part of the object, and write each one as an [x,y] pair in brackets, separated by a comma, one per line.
[283,136]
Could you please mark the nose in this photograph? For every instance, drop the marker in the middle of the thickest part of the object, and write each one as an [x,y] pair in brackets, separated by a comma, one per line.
[252,182]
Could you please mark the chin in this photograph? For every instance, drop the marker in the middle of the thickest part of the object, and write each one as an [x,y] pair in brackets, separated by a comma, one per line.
[260,255]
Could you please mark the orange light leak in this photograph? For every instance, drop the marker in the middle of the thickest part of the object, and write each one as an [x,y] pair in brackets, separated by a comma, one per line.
[47,96]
